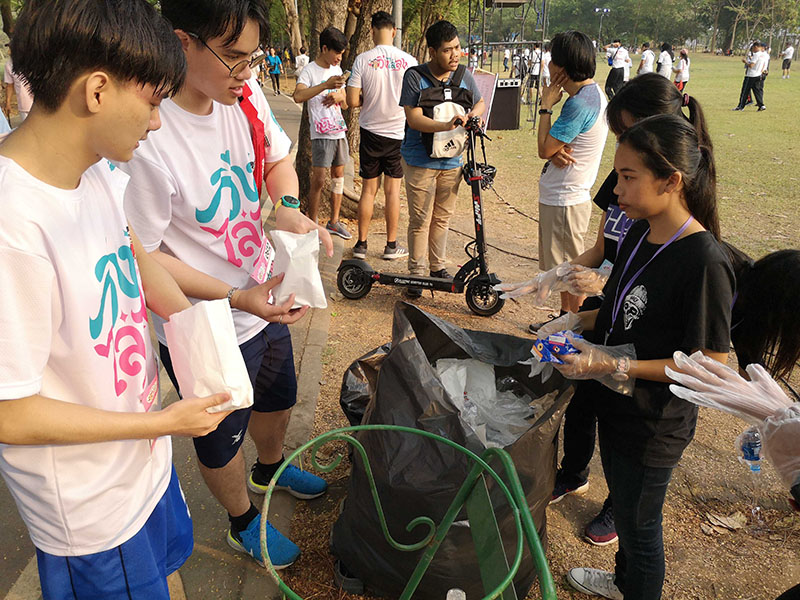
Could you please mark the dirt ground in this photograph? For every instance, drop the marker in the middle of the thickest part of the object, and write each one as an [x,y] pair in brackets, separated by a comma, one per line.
[754,563]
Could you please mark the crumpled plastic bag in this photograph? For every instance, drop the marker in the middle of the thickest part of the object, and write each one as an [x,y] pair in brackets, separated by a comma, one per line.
[297,255]
[496,418]
[205,354]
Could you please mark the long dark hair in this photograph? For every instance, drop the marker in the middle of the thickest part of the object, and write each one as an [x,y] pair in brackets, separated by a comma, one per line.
[667,47]
[765,325]
[653,94]
[668,144]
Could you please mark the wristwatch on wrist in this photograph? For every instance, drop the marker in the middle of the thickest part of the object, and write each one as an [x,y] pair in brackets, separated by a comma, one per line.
[290,201]
[545,111]
[623,365]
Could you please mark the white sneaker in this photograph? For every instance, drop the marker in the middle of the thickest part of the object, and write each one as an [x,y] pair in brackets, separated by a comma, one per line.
[594,582]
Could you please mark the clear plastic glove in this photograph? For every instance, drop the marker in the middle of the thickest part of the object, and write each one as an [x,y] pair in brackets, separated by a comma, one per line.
[599,363]
[585,281]
[567,322]
[706,382]
[780,435]
[542,285]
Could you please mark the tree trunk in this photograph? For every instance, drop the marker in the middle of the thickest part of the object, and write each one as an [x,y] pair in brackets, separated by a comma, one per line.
[323,14]
[733,33]
[293,25]
[716,28]
[8,17]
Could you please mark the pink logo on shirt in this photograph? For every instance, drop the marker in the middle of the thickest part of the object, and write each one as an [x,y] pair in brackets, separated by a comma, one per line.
[388,63]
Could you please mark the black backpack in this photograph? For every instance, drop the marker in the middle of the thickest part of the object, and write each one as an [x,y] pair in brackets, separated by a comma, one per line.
[442,92]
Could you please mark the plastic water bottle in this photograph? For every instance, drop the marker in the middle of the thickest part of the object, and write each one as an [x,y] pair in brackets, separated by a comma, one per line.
[751,449]
[456,594]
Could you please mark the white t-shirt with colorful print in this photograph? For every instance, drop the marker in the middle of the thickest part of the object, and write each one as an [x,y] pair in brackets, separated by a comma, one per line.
[326,122]
[193,195]
[73,327]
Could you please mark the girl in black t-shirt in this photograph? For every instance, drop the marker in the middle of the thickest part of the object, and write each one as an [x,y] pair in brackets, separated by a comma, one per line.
[670,289]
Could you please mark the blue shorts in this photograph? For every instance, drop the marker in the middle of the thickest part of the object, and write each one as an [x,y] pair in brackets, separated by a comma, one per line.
[270,363]
[136,569]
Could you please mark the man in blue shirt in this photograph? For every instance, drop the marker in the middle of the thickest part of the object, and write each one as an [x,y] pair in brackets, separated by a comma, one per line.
[432,183]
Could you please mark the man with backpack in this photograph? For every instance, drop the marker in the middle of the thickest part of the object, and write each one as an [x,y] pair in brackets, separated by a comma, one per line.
[436,96]
[618,58]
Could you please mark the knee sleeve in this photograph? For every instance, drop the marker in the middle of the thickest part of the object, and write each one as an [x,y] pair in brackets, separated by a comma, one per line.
[337,185]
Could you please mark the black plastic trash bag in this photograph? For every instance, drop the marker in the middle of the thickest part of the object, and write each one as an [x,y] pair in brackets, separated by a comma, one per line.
[358,384]
[416,476]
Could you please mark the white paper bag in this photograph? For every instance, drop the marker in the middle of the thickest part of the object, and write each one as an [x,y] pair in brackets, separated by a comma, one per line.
[205,354]
[297,255]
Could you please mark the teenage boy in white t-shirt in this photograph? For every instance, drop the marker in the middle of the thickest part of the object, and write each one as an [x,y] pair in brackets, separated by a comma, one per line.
[194,197]
[564,193]
[321,85]
[546,58]
[787,55]
[648,60]
[375,86]
[618,58]
[84,447]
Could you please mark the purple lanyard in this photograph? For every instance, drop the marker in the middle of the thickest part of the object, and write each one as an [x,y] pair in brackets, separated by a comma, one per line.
[620,297]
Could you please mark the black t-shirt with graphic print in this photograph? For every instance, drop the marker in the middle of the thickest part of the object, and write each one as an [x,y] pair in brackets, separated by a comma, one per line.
[681,301]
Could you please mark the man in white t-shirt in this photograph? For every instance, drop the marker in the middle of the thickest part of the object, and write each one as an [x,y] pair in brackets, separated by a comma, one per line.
[564,193]
[85,448]
[787,55]
[300,61]
[546,58]
[375,86]
[16,86]
[756,66]
[617,56]
[506,58]
[321,86]
[648,60]
[194,196]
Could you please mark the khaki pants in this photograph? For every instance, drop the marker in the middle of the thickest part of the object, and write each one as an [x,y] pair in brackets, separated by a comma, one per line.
[432,195]
[561,231]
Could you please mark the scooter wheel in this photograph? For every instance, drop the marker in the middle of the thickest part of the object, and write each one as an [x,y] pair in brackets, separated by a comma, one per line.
[482,299]
[353,282]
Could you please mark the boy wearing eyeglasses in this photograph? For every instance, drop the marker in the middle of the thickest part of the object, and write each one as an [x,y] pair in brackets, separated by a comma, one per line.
[194,199]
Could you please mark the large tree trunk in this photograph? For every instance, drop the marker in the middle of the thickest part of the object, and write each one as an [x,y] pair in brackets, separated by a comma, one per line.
[8,17]
[717,11]
[323,14]
[732,46]
[293,25]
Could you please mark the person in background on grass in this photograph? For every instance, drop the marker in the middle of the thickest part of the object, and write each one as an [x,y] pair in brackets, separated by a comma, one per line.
[321,85]
[85,446]
[787,54]
[432,183]
[617,57]
[665,60]
[375,86]
[300,61]
[194,195]
[546,58]
[275,70]
[755,67]
[564,193]
[682,70]
[648,59]
[671,288]
[16,85]
[506,57]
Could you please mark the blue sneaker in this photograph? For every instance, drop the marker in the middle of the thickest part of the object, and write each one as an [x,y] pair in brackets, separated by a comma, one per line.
[300,484]
[282,551]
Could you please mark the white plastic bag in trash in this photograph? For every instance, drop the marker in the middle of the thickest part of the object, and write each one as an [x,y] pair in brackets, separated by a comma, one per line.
[497,418]
[205,354]
[297,255]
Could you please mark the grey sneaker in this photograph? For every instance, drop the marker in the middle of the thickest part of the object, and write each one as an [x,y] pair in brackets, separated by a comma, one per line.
[360,250]
[594,582]
[394,253]
[338,229]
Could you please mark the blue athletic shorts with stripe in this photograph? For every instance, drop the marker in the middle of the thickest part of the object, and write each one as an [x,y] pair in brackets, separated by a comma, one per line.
[135,570]
[269,359]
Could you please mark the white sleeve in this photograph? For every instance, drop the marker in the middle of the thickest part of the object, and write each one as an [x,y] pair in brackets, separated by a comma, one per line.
[26,321]
[7,76]
[305,77]
[148,200]
[355,76]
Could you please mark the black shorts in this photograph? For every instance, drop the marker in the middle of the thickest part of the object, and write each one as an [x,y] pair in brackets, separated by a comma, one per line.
[787,64]
[269,359]
[379,154]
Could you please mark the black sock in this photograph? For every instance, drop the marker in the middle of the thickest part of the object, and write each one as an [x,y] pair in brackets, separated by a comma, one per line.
[263,473]
[362,243]
[391,244]
[240,523]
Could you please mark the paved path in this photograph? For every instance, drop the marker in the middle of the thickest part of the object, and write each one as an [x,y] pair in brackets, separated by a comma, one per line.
[214,571]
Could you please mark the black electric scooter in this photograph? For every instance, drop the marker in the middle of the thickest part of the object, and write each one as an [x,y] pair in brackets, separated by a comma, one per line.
[356,277]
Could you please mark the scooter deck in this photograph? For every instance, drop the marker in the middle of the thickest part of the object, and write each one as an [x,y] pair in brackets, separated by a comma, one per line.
[428,283]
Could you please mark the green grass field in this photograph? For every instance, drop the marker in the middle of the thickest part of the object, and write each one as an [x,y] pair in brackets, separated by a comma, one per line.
[757,154]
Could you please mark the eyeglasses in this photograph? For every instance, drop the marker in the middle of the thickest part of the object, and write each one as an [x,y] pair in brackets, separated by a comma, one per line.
[240,66]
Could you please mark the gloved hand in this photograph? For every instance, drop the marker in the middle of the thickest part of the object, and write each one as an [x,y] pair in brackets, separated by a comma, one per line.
[567,322]
[599,363]
[585,281]
[542,285]
[780,435]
